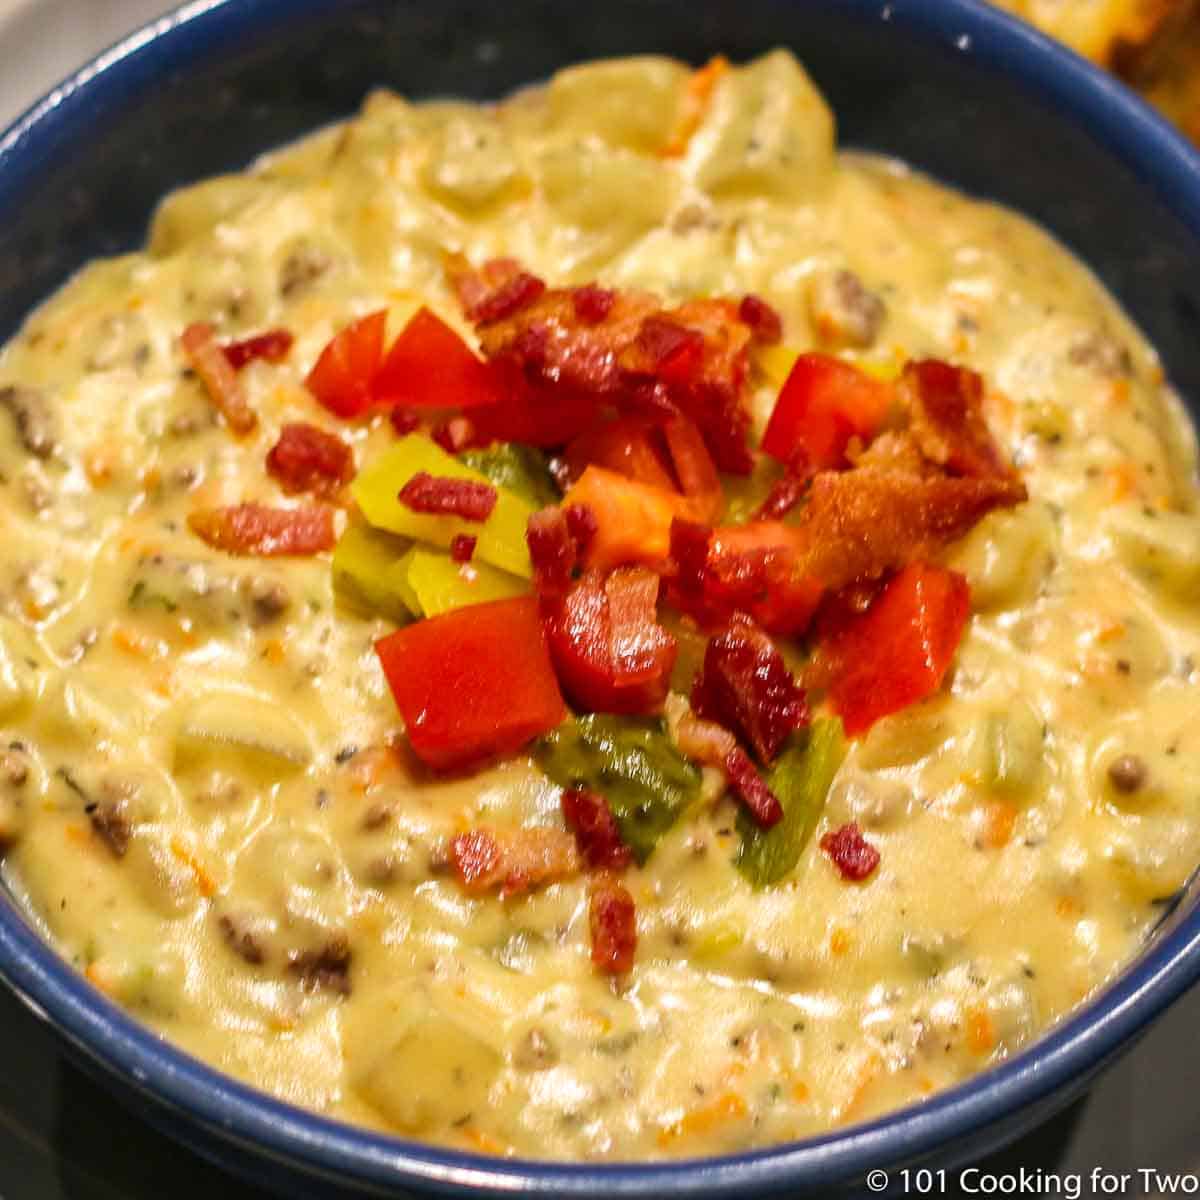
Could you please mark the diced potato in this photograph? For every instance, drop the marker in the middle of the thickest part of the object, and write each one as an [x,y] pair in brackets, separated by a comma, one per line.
[768,131]
[1162,547]
[1013,741]
[18,680]
[191,212]
[630,102]
[436,1074]
[230,724]
[1006,556]
[473,168]
[613,192]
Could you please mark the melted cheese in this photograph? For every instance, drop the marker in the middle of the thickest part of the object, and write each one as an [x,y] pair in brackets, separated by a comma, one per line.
[200,797]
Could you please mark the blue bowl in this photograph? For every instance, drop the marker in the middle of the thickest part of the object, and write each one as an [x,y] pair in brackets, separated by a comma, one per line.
[950,85]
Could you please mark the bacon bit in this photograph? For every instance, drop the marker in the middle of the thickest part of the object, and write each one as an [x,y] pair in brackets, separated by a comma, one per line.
[981,1033]
[704,741]
[462,547]
[264,532]
[694,468]
[447,496]
[852,854]
[273,346]
[699,92]
[454,436]
[405,421]
[612,918]
[675,352]
[582,526]
[220,380]
[946,419]
[745,686]
[593,303]
[765,322]
[748,785]
[636,640]
[638,357]
[860,524]
[597,833]
[514,860]
[729,1106]
[786,492]
[552,550]
[308,459]
[509,298]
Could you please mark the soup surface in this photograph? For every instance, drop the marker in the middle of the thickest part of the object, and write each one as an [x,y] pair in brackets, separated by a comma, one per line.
[207,800]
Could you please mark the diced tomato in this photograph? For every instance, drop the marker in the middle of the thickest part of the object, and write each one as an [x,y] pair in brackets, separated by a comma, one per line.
[272,346]
[610,653]
[473,683]
[630,446]
[264,532]
[823,404]
[633,520]
[343,377]
[612,918]
[308,459]
[898,651]
[430,366]
[675,352]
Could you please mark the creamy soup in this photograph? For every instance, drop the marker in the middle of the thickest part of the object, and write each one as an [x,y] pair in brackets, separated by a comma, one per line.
[207,799]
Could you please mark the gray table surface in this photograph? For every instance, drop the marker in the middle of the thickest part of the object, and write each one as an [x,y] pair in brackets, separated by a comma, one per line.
[61,1136]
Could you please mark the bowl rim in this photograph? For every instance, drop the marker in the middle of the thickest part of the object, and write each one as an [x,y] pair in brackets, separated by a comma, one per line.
[235,1113]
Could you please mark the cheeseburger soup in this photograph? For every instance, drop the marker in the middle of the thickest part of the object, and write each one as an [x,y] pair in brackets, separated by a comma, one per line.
[596,626]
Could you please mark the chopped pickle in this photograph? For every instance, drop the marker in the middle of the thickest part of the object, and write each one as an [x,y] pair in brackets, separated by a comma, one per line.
[633,764]
[801,779]
[520,469]
[500,539]
[365,573]
[439,584]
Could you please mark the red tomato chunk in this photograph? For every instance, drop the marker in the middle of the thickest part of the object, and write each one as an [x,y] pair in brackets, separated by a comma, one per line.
[852,854]
[343,378]
[898,651]
[473,683]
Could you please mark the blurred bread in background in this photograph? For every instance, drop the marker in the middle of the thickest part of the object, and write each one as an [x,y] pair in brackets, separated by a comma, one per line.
[1152,44]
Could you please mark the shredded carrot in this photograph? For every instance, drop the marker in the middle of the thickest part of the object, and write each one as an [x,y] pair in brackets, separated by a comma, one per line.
[999,819]
[700,88]
[274,653]
[729,1106]
[484,1142]
[981,1034]
[78,834]
[98,977]
[1122,480]
[137,644]
[926,1084]
[1068,906]
[205,884]
[98,464]
[839,942]
[1110,631]
[868,1073]
[150,478]
[1118,393]
[800,1091]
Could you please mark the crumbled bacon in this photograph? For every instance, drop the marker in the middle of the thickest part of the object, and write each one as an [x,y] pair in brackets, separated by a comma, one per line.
[592,303]
[448,496]
[308,459]
[273,346]
[509,298]
[581,524]
[785,494]
[513,860]
[265,532]
[612,918]
[404,420]
[947,423]
[852,854]
[745,686]
[857,525]
[704,742]
[207,359]
[751,789]
[597,833]
[453,435]
[462,547]
[552,550]
[629,352]
[761,318]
